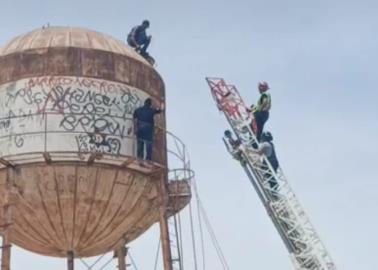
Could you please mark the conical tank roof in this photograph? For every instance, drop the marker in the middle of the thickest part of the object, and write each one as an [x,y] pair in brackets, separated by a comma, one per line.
[77,37]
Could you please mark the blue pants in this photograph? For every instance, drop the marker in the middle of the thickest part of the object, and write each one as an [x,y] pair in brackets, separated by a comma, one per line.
[261,117]
[144,141]
[142,41]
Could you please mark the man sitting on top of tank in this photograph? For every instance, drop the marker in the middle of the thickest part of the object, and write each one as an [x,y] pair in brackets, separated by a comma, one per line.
[138,39]
[144,128]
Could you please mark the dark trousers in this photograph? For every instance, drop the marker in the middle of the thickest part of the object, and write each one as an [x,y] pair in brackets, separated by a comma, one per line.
[141,145]
[144,142]
[143,42]
[260,117]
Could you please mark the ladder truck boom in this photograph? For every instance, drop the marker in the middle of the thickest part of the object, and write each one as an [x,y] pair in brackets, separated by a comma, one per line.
[294,227]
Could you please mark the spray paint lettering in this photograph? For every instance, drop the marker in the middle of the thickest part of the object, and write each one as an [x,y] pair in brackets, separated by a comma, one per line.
[98,143]
[91,122]
[32,108]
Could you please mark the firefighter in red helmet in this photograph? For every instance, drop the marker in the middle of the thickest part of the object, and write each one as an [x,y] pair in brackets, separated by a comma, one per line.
[261,110]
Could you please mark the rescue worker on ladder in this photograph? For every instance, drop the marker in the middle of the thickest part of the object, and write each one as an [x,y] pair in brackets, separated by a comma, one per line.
[266,147]
[261,111]
[138,39]
[235,146]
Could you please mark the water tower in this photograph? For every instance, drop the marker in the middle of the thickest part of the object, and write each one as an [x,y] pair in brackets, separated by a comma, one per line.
[70,183]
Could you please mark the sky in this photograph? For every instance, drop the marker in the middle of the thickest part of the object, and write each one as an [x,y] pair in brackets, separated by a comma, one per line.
[320,60]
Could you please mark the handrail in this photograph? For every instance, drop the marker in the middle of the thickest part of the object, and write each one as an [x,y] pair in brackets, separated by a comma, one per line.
[182,155]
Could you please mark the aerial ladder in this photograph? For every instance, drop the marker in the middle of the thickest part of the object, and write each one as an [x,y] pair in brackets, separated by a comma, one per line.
[306,250]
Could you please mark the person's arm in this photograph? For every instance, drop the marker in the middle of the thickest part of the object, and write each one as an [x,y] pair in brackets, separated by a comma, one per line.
[265,149]
[227,144]
[159,110]
[251,109]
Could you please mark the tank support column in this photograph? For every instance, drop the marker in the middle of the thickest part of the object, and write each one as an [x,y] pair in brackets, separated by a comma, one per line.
[9,200]
[70,260]
[6,245]
[163,219]
[121,255]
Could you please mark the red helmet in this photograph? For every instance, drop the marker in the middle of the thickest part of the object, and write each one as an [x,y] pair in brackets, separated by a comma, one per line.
[263,86]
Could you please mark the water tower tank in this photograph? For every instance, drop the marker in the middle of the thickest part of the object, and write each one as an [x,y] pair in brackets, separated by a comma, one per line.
[67,144]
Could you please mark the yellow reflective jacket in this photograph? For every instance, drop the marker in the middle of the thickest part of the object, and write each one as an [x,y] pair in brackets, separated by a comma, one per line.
[264,103]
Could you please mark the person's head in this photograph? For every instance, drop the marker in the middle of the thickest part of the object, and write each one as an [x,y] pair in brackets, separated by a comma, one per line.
[148,102]
[263,87]
[228,134]
[145,24]
[266,136]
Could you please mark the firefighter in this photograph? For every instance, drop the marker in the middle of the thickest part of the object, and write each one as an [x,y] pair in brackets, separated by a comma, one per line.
[261,110]
[235,145]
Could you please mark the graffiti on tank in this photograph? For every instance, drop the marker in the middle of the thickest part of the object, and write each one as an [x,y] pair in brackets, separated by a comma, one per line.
[15,125]
[20,113]
[77,100]
[19,140]
[72,105]
[113,99]
[102,86]
[90,122]
[100,143]
[26,95]
[5,124]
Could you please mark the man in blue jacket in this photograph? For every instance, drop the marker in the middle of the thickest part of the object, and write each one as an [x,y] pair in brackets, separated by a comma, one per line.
[144,128]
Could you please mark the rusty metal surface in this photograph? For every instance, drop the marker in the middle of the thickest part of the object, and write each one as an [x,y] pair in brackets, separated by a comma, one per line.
[57,51]
[90,63]
[68,37]
[69,206]
[86,209]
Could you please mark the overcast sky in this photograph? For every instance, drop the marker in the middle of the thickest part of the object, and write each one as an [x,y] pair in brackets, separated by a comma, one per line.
[320,59]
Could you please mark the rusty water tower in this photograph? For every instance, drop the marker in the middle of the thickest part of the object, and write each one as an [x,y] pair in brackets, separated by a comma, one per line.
[70,182]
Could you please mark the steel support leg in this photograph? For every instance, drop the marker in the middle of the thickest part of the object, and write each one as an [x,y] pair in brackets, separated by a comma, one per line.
[8,220]
[70,260]
[163,219]
[6,247]
[121,255]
